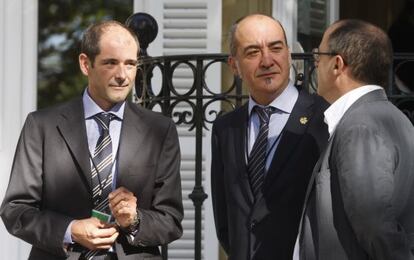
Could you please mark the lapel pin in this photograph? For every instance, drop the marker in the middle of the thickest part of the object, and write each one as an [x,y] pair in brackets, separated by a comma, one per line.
[303,120]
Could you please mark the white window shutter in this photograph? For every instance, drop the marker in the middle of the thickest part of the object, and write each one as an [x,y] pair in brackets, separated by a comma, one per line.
[189,27]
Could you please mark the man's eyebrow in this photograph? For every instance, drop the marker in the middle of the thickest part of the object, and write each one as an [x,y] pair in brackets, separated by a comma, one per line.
[276,43]
[132,60]
[115,60]
[109,60]
[257,46]
[251,46]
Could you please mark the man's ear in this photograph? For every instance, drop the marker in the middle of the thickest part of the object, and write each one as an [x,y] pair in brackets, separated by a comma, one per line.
[84,64]
[233,65]
[339,65]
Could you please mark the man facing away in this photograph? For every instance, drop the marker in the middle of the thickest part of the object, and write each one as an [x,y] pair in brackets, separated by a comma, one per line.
[97,177]
[263,153]
[360,202]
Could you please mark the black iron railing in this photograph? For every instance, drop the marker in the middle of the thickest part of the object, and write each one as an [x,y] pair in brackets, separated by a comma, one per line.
[400,89]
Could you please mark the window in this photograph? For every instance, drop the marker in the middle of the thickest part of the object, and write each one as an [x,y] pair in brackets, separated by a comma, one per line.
[313,19]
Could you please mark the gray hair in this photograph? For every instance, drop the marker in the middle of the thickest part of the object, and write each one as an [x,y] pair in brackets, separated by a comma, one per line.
[365,48]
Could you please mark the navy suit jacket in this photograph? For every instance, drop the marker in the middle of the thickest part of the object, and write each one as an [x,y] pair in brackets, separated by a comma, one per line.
[267,228]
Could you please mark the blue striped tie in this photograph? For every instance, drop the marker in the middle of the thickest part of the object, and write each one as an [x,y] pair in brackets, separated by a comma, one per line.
[102,162]
[257,159]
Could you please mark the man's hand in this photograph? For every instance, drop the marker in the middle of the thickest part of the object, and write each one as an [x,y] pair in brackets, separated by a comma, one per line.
[93,233]
[123,205]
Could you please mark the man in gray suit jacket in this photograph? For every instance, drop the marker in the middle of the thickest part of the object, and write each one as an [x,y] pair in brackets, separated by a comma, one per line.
[58,178]
[360,201]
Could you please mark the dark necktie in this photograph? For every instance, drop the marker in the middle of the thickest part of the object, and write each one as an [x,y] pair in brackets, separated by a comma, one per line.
[102,162]
[257,159]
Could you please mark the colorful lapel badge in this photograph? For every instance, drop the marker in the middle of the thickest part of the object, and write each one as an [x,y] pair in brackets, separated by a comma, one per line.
[303,120]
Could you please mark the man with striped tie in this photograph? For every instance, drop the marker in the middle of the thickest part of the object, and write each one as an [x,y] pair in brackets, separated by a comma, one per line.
[263,153]
[97,177]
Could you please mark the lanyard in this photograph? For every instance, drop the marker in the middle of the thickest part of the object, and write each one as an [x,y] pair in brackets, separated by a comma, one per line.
[271,147]
[99,175]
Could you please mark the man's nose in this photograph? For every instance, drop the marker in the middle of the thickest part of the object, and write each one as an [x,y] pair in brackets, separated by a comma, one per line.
[267,60]
[120,75]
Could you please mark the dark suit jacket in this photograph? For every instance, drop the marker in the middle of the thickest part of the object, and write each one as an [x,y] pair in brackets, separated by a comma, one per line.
[50,182]
[361,202]
[266,229]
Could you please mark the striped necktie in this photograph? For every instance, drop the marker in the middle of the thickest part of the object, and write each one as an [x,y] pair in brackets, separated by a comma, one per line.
[102,163]
[257,159]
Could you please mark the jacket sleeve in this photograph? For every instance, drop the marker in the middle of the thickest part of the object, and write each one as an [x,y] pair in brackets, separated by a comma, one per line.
[161,223]
[218,192]
[21,209]
[365,164]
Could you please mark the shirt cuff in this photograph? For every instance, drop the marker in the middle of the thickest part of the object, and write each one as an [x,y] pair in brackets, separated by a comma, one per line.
[67,239]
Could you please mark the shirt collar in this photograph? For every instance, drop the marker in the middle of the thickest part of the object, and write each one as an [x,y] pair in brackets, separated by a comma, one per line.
[336,111]
[284,102]
[91,108]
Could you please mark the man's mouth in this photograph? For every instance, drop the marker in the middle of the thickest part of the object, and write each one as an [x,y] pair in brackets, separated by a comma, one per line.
[118,86]
[267,75]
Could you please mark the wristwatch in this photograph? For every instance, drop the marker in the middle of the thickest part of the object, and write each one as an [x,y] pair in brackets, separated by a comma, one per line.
[133,228]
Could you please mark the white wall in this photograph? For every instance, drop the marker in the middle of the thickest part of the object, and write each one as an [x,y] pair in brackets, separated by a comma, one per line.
[18,79]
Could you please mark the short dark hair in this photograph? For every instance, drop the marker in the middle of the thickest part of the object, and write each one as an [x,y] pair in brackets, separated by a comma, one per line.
[92,36]
[365,48]
[232,32]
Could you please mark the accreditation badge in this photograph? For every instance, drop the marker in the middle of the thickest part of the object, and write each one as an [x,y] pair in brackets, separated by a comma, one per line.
[101,216]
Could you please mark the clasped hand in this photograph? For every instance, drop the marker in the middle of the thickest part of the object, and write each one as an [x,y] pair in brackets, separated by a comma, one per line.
[123,205]
[95,234]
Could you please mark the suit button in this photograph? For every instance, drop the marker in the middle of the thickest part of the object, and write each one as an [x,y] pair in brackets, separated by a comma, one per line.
[253,224]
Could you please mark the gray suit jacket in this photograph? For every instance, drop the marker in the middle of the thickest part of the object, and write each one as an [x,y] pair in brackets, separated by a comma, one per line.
[360,202]
[50,182]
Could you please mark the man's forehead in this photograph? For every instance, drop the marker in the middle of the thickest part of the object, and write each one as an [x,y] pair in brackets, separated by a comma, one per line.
[115,36]
[246,40]
[259,29]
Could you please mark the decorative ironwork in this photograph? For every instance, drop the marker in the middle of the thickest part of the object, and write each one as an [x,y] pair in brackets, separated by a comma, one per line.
[400,89]
[196,105]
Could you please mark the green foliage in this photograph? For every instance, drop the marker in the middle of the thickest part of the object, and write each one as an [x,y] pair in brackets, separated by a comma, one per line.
[61,23]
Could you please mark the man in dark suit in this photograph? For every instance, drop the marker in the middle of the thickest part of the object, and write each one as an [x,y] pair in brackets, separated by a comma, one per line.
[58,178]
[360,202]
[258,190]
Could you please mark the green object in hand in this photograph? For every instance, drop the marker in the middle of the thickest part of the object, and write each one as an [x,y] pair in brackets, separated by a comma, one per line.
[101,216]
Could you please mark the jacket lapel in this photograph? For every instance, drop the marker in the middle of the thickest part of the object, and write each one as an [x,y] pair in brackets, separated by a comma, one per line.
[72,127]
[321,164]
[292,134]
[239,132]
[132,136]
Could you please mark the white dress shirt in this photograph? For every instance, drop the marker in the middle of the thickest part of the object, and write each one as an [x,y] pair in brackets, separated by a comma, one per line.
[284,104]
[336,111]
